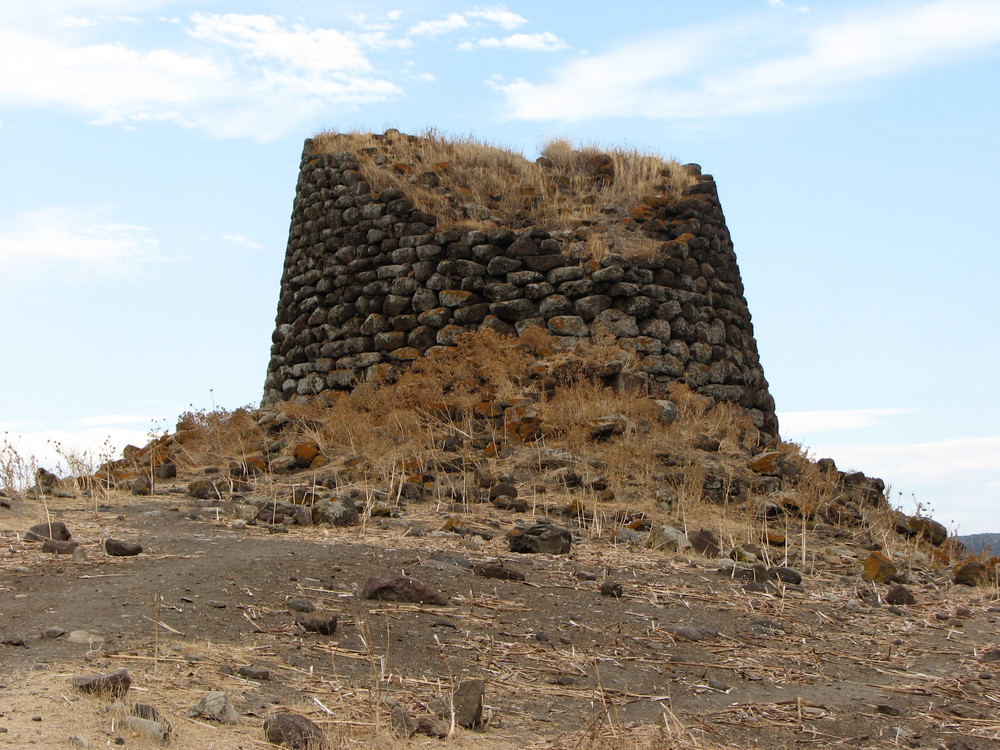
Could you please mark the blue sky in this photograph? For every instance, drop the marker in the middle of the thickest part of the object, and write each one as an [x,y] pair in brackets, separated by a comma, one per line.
[150,148]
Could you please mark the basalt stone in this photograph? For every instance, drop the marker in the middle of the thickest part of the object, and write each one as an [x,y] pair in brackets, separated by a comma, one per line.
[542,538]
[113,685]
[317,622]
[402,589]
[118,548]
[215,706]
[59,548]
[55,530]
[515,310]
[293,731]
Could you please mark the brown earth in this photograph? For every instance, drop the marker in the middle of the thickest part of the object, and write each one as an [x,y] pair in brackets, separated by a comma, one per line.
[804,665]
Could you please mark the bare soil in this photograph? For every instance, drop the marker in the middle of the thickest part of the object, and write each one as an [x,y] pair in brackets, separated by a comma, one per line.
[810,665]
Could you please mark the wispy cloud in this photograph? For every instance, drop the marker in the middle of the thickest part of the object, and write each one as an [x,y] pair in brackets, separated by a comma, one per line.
[451,22]
[499,14]
[77,22]
[251,75]
[239,239]
[72,244]
[544,41]
[782,4]
[266,38]
[752,65]
[811,422]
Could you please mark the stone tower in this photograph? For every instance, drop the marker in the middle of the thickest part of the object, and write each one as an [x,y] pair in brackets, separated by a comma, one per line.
[391,254]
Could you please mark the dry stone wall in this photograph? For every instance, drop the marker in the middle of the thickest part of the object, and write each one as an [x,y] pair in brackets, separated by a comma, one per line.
[370,285]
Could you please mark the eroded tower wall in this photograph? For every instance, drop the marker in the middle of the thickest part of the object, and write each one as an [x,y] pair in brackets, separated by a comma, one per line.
[370,284]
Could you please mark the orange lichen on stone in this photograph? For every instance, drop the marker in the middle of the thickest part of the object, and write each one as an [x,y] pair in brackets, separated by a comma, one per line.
[879,569]
[304,453]
[642,212]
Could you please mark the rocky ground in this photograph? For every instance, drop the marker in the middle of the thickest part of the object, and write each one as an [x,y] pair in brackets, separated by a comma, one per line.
[493,551]
[608,643]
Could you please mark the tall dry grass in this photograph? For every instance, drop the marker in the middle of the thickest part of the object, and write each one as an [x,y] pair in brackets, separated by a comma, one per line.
[465,182]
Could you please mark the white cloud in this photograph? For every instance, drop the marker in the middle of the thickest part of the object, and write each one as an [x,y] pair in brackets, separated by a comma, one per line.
[100,77]
[810,422]
[264,38]
[545,41]
[451,22]
[239,239]
[781,4]
[752,65]
[500,15]
[73,244]
[254,77]
[77,22]
[958,480]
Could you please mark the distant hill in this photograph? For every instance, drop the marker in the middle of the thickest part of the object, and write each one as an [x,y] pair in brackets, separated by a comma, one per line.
[976,542]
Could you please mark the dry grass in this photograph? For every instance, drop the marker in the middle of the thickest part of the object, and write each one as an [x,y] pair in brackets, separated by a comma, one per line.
[466,182]
[384,434]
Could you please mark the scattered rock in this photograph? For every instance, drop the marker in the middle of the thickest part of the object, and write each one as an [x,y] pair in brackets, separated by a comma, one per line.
[294,731]
[692,632]
[317,622]
[402,589]
[118,548]
[205,489]
[627,536]
[765,463]
[972,573]
[432,727]
[145,719]
[166,470]
[497,570]
[300,605]
[56,530]
[717,684]
[785,574]
[252,672]
[53,632]
[612,425]
[215,706]
[142,486]
[114,684]
[466,703]
[402,724]
[705,542]
[612,588]
[879,568]
[45,480]
[304,454]
[544,538]
[341,512]
[59,548]
[900,594]
[667,539]
[929,529]
[152,729]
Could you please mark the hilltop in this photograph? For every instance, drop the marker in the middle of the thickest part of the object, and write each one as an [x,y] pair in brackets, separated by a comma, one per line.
[693,584]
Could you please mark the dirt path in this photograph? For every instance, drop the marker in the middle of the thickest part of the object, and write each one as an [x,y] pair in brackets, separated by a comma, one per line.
[809,664]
